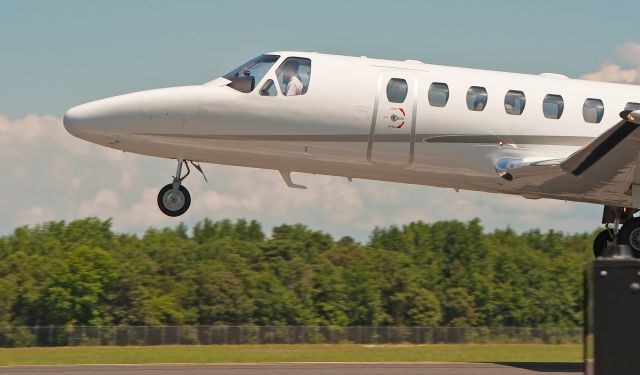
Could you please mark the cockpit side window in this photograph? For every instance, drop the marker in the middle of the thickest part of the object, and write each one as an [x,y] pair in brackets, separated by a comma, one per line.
[294,75]
[268,89]
[245,77]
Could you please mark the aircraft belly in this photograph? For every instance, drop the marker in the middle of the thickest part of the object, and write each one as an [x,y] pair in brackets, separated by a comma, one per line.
[454,159]
[459,166]
[330,158]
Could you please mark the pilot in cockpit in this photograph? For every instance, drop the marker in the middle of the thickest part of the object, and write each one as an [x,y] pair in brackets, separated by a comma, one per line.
[292,79]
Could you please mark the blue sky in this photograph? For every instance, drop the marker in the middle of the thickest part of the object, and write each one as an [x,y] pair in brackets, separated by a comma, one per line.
[54,55]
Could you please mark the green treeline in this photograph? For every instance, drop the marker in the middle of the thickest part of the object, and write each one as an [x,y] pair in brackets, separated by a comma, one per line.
[442,274]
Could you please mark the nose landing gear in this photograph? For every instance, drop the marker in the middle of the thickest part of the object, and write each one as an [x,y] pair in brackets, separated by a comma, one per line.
[174,199]
[174,202]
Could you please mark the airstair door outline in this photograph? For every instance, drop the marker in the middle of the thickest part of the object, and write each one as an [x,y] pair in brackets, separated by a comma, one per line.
[393,122]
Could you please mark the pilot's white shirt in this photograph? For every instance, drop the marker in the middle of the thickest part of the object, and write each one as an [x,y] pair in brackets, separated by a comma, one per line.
[294,87]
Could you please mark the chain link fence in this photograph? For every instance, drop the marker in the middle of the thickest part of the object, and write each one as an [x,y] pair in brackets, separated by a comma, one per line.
[234,335]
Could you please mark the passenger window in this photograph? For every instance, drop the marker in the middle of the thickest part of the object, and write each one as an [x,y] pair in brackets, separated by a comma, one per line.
[553,106]
[632,106]
[593,110]
[477,98]
[514,102]
[397,90]
[268,89]
[294,75]
[438,94]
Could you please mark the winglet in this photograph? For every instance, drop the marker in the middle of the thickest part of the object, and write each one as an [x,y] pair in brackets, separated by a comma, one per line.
[286,176]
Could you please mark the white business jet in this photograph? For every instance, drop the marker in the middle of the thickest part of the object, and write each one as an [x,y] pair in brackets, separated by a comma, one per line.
[538,136]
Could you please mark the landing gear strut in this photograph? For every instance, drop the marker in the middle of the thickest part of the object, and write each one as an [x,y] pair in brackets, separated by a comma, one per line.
[174,199]
[628,234]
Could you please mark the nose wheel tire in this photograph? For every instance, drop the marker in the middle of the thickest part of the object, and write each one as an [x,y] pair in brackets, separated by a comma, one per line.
[174,203]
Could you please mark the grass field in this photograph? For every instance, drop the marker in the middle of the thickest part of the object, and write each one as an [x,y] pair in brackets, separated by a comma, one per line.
[293,353]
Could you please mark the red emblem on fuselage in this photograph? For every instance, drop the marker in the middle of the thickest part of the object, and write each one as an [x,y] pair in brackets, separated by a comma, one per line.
[397,117]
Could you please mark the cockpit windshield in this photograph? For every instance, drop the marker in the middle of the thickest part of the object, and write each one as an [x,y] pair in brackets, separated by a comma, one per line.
[246,76]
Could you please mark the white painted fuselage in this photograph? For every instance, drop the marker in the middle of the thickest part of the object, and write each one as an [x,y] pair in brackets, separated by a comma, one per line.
[344,125]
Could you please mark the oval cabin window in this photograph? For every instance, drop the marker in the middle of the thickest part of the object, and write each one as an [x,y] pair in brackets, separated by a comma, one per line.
[593,110]
[438,94]
[397,90]
[477,98]
[632,106]
[553,106]
[514,102]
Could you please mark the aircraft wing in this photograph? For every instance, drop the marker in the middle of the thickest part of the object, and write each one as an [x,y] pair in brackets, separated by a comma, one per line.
[607,164]
[615,147]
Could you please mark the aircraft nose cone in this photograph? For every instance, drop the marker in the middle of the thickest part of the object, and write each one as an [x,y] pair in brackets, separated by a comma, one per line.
[99,121]
[75,118]
[101,116]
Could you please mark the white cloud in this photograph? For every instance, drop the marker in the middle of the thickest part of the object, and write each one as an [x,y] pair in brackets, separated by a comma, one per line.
[105,201]
[54,176]
[35,215]
[611,72]
[614,73]
[141,214]
[629,52]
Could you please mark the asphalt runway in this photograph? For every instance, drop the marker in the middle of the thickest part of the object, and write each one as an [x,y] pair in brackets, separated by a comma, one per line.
[308,369]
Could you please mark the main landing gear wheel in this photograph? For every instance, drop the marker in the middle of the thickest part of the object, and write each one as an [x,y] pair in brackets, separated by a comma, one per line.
[603,240]
[174,203]
[630,235]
